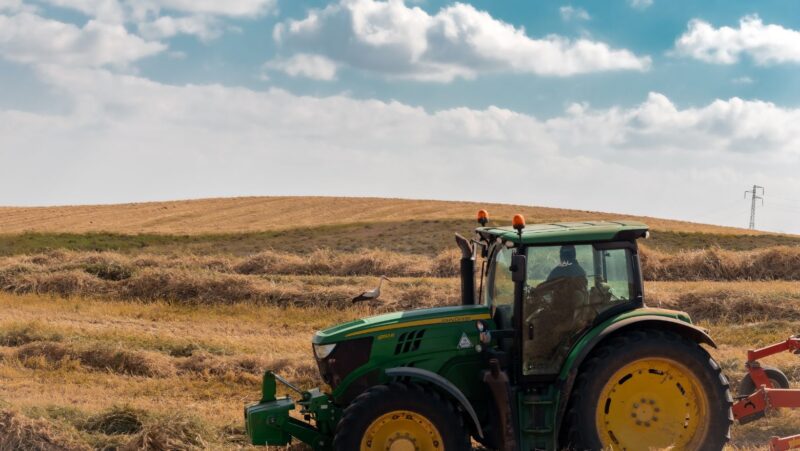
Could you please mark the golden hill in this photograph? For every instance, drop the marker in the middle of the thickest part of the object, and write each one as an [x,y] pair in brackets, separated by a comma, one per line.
[256,214]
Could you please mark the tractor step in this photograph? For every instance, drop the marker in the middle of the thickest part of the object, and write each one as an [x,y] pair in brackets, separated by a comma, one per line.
[537,419]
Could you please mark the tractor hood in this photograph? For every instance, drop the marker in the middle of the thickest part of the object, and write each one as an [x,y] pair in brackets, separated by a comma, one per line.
[398,320]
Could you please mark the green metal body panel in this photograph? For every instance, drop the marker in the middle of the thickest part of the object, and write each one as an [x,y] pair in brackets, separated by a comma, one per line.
[565,232]
[439,349]
[569,363]
[392,322]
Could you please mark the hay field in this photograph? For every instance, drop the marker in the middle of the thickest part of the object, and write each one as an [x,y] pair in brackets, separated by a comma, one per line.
[72,364]
[259,214]
[140,327]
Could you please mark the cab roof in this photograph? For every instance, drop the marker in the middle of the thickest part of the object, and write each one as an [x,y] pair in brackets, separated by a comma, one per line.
[569,232]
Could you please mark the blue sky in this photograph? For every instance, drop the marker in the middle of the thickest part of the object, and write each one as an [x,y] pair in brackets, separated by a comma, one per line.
[662,108]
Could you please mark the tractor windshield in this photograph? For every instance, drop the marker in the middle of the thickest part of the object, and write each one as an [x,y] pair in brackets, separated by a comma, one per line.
[567,288]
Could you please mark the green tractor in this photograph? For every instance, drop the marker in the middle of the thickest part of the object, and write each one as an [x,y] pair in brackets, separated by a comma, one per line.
[552,348]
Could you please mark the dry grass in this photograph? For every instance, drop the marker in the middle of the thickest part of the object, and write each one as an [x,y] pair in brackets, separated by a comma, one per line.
[76,400]
[247,214]
[118,420]
[324,278]
[779,262]
[729,302]
[18,432]
[224,280]
[171,361]
[174,433]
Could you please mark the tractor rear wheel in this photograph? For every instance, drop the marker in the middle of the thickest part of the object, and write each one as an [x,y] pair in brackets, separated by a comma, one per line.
[649,389]
[399,417]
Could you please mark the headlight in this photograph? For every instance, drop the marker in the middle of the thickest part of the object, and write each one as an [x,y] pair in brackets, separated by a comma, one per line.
[322,351]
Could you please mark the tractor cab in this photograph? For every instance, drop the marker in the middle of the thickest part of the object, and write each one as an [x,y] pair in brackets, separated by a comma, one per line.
[573,275]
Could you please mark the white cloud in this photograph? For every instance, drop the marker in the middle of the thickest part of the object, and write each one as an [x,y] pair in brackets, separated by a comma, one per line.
[640,4]
[303,65]
[139,9]
[204,27]
[28,38]
[569,13]
[723,126]
[104,146]
[397,41]
[13,6]
[765,44]
[111,11]
[167,18]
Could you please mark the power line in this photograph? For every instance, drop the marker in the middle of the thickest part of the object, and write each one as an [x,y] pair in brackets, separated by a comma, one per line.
[753,196]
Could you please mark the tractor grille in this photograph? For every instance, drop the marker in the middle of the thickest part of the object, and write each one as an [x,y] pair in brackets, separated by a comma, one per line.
[346,357]
[409,341]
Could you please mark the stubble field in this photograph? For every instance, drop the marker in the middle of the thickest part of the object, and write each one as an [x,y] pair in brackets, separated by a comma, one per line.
[147,326]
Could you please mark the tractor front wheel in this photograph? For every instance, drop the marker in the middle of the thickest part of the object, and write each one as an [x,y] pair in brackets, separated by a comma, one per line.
[649,389]
[400,417]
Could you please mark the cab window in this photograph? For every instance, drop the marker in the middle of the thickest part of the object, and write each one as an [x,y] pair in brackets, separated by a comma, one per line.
[567,288]
[501,289]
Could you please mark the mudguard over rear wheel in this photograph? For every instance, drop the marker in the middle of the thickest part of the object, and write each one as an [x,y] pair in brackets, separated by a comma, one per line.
[399,416]
[649,389]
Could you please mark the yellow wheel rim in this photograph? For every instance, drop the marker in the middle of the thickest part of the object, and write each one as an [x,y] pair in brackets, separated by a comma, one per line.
[402,430]
[652,403]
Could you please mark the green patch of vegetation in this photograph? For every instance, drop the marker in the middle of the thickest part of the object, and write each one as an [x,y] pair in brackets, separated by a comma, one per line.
[31,242]
[109,271]
[425,237]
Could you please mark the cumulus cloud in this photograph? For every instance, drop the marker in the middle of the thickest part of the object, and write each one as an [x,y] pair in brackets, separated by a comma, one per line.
[28,38]
[257,142]
[765,44]
[569,13]
[721,127]
[398,41]
[204,27]
[303,65]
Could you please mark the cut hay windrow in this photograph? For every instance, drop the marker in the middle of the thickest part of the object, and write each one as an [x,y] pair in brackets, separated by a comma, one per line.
[172,433]
[118,420]
[773,263]
[721,305]
[115,360]
[18,432]
[129,362]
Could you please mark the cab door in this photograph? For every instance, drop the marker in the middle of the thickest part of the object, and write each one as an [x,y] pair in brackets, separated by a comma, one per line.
[568,289]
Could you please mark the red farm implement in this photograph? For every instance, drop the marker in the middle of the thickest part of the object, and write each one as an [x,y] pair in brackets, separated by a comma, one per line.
[765,389]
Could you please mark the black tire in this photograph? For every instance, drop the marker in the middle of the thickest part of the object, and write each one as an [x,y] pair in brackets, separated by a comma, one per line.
[779,380]
[382,399]
[580,429]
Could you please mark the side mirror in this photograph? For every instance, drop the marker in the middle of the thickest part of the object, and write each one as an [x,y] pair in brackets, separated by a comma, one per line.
[518,267]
